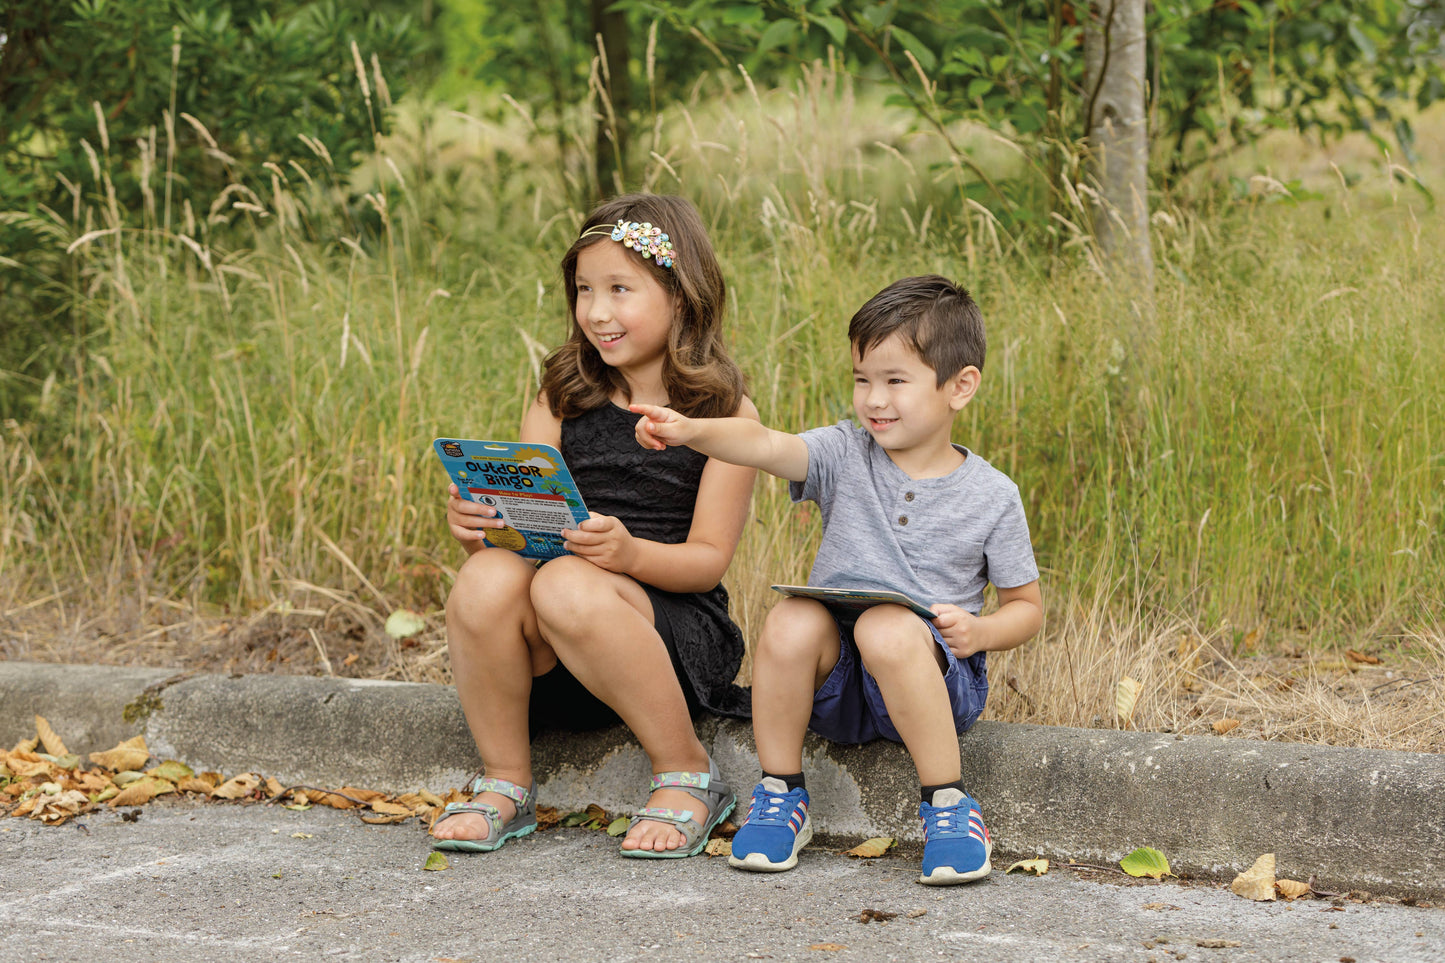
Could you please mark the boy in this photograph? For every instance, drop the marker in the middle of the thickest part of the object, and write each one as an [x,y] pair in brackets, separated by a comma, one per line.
[904,509]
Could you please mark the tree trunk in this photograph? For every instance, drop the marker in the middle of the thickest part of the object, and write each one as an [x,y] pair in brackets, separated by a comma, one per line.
[609,32]
[1114,65]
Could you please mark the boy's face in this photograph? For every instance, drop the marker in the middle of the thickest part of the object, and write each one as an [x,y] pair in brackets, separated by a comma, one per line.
[897,398]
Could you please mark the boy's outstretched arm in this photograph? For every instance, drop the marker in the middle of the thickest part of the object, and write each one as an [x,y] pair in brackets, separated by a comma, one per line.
[738,441]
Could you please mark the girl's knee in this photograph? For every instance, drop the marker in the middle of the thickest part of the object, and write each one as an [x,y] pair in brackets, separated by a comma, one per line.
[491,584]
[566,590]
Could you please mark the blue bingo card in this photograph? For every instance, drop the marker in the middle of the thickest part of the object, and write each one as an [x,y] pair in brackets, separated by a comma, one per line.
[528,485]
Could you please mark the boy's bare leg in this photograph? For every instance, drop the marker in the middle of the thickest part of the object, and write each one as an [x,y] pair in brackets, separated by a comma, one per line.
[601,626]
[796,651]
[900,653]
[495,651]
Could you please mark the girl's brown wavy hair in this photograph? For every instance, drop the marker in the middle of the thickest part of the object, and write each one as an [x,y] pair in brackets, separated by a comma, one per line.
[701,380]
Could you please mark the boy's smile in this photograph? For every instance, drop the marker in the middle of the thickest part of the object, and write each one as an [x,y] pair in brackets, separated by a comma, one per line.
[897,398]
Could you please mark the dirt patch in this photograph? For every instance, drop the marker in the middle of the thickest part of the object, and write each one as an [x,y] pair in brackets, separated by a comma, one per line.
[1391,698]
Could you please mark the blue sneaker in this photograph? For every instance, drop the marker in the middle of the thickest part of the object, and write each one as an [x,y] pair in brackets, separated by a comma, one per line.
[956,846]
[776,827]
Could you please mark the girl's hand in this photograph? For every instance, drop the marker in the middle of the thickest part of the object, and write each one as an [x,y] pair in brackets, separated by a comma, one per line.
[960,629]
[659,427]
[604,541]
[465,516]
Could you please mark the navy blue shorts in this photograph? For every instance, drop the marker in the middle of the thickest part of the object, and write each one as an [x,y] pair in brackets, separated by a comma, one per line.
[849,707]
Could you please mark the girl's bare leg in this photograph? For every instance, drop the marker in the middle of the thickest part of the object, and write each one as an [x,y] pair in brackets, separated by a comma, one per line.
[795,653]
[600,625]
[495,651]
[899,652]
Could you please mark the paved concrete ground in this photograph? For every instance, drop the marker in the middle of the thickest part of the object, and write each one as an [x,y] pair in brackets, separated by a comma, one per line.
[189,881]
[1354,819]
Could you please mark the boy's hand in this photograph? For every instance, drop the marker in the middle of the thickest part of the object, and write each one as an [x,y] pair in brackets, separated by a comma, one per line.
[604,541]
[465,517]
[960,629]
[659,427]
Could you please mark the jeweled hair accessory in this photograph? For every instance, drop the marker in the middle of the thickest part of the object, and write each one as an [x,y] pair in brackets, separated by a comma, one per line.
[644,238]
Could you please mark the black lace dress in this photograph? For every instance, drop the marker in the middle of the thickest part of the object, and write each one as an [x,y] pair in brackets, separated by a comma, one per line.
[653,493]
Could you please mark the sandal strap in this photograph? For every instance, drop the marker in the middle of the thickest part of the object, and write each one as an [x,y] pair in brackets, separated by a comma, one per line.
[680,780]
[487,811]
[682,817]
[517,794]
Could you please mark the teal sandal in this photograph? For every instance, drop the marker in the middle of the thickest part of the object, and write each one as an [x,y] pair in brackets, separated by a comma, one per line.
[497,832]
[707,788]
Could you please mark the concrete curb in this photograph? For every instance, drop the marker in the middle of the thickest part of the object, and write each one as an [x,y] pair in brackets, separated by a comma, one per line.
[1354,819]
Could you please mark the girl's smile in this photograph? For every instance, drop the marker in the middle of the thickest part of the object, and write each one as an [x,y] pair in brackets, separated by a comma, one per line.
[622,310]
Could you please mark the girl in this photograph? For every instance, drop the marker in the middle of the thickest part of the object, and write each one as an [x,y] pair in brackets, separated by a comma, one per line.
[634,623]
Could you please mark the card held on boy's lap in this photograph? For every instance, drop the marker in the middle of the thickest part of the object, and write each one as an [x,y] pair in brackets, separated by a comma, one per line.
[854,601]
[529,486]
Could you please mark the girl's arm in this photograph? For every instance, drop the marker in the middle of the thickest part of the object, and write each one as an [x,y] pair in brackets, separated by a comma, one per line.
[696,565]
[464,516]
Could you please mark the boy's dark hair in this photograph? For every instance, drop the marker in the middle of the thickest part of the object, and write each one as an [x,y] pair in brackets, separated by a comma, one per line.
[935,317]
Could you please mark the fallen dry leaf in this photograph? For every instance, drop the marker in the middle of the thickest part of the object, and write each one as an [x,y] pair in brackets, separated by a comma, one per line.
[719,847]
[1351,654]
[1160,906]
[1126,697]
[1257,882]
[1291,888]
[194,784]
[48,738]
[1225,725]
[385,820]
[872,848]
[131,754]
[390,808]
[913,914]
[875,916]
[1036,866]
[140,792]
[830,947]
[237,787]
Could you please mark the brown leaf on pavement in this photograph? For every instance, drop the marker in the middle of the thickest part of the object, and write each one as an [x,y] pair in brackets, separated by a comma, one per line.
[719,847]
[390,808]
[872,848]
[140,792]
[194,784]
[1291,888]
[237,787]
[875,916]
[384,819]
[48,738]
[829,947]
[131,754]
[1257,882]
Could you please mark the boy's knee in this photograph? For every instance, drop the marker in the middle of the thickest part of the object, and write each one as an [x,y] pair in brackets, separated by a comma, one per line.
[797,627]
[889,635]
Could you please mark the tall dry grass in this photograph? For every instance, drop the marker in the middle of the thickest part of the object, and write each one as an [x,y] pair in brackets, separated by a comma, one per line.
[249,431]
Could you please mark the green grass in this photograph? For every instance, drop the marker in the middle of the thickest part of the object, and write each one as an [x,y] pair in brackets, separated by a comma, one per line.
[251,425]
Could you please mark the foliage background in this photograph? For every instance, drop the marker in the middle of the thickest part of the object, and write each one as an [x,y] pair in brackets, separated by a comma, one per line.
[226,346]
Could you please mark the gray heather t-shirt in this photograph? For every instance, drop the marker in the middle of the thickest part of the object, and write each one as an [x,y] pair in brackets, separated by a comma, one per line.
[935,539]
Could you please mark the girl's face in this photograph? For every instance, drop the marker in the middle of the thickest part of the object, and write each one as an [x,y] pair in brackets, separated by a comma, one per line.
[622,310]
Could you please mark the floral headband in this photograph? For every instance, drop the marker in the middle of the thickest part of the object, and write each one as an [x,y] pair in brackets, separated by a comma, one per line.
[644,238]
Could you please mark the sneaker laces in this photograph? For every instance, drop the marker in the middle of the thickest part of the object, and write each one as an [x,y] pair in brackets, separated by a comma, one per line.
[950,820]
[767,807]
